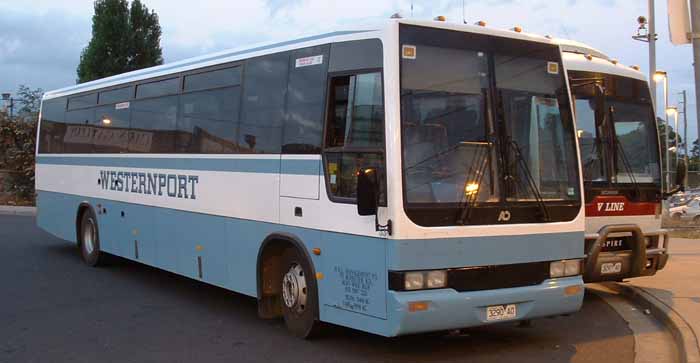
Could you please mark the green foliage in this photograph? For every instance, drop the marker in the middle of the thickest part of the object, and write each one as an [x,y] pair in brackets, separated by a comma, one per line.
[123,40]
[17,145]
[30,101]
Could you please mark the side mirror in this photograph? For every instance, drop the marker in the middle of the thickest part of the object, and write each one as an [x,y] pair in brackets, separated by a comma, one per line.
[367,192]
[681,174]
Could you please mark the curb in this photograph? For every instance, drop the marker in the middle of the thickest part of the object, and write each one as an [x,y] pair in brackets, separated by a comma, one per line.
[682,333]
[17,211]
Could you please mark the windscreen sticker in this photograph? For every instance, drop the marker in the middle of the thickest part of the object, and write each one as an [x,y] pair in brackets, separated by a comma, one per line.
[309,61]
[408,51]
[552,67]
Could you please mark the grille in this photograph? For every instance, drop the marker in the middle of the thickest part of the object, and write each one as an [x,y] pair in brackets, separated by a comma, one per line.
[486,277]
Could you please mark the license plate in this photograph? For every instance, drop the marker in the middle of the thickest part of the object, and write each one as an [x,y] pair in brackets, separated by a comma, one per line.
[501,312]
[611,268]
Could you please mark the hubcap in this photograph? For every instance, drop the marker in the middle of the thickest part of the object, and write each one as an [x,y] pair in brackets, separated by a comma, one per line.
[89,237]
[294,290]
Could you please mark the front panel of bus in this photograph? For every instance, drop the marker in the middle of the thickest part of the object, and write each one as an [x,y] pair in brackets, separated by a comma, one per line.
[489,174]
[621,166]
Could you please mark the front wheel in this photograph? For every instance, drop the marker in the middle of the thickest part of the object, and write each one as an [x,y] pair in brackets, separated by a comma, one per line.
[89,239]
[299,295]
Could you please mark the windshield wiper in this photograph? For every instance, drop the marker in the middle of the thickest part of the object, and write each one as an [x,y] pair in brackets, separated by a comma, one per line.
[472,188]
[530,180]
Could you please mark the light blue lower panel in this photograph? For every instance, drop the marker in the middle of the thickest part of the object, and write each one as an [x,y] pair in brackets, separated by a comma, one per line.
[353,291]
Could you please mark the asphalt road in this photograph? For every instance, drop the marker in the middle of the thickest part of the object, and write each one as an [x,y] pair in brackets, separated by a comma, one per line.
[55,309]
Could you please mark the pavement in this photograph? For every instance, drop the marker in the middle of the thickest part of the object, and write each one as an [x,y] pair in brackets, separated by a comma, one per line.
[673,294]
[17,211]
[54,308]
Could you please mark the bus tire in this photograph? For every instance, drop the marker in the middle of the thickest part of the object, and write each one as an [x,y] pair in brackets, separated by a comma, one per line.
[299,295]
[89,239]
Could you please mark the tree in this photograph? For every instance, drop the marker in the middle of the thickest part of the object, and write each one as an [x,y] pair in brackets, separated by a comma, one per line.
[123,40]
[144,48]
[29,101]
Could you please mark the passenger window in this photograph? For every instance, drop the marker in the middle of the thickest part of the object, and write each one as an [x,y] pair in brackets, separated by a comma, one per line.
[355,133]
[208,122]
[79,131]
[116,95]
[111,129]
[356,111]
[53,127]
[82,101]
[213,79]
[306,96]
[153,125]
[263,104]
[159,88]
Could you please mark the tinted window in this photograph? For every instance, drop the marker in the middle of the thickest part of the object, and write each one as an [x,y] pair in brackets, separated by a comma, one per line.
[52,127]
[153,124]
[116,95]
[356,112]
[208,121]
[79,131]
[263,104]
[160,88]
[305,101]
[111,129]
[213,79]
[82,101]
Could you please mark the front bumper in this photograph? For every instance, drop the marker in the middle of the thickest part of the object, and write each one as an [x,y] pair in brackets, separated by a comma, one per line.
[449,309]
[639,261]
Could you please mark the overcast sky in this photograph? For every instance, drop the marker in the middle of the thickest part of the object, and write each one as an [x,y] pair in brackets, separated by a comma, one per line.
[41,40]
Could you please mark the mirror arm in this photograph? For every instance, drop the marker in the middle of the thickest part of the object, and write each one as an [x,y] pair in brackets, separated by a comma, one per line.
[679,188]
[382,228]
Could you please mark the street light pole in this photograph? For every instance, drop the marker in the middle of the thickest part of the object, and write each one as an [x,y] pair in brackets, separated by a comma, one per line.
[695,38]
[652,50]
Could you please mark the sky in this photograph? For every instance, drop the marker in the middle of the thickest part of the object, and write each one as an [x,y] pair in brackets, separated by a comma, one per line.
[41,40]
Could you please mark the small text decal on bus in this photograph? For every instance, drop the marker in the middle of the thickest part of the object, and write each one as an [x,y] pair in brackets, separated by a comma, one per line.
[309,61]
[170,185]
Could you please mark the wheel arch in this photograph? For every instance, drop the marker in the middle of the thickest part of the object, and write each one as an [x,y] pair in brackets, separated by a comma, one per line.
[270,249]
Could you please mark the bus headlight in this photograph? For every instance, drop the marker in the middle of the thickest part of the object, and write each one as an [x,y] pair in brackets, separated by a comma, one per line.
[419,280]
[436,279]
[413,280]
[564,268]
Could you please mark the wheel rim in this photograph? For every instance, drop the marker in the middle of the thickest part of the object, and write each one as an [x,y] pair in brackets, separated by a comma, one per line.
[294,291]
[89,237]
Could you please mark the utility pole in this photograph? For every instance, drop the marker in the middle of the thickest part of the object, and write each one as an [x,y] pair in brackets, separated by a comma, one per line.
[685,126]
[695,37]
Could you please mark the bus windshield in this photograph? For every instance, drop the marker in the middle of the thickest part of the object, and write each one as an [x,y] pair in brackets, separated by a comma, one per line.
[623,147]
[483,124]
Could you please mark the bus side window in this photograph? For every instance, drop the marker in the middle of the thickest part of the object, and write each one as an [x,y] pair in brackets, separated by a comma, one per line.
[354,133]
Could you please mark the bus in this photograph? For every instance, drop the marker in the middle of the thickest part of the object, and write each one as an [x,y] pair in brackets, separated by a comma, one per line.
[620,157]
[420,176]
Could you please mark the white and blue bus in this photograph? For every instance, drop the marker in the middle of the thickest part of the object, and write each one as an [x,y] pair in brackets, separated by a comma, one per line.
[418,177]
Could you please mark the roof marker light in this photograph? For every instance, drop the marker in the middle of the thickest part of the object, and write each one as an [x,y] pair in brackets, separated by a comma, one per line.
[635,67]
[614,61]
[517,29]
[589,57]
[439,18]
[480,23]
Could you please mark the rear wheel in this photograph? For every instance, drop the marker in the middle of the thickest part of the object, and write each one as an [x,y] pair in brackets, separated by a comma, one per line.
[89,239]
[299,295]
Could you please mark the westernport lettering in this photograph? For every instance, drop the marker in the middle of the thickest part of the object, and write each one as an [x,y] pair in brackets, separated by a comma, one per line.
[168,185]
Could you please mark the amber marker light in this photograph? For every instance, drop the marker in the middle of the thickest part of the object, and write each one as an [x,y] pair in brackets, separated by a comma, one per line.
[518,29]
[317,251]
[480,23]
[572,290]
[416,306]
[440,18]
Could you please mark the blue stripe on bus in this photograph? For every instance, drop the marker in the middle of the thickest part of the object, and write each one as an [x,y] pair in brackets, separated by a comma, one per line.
[270,166]
[163,68]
